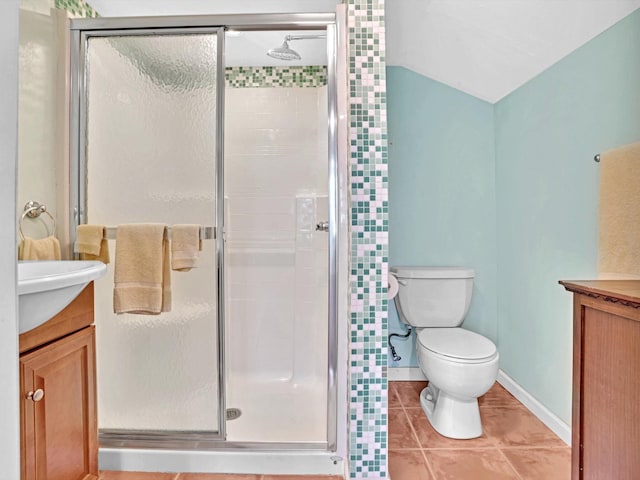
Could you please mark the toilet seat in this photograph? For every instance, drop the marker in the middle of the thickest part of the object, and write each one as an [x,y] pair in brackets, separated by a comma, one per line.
[457,345]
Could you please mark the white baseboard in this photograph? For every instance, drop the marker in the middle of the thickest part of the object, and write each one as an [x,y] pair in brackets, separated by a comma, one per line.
[405,374]
[542,413]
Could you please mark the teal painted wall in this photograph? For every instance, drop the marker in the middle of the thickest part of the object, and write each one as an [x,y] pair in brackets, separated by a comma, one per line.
[442,192]
[538,187]
[547,133]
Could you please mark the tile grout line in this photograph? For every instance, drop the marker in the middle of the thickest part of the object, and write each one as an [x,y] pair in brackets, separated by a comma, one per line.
[446,449]
[510,464]
[415,434]
[535,447]
[499,446]
[495,443]
[494,446]
[428,463]
[406,416]
[422,450]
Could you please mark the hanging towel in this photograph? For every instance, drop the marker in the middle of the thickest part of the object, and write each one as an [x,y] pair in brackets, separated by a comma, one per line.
[619,213]
[185,245]
[142,277]
[91,243]
[42,249]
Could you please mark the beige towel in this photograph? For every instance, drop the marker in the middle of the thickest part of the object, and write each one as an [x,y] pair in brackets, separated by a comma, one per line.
[619,212]
[41,249]
[185,245]
[91,243]
[142,277]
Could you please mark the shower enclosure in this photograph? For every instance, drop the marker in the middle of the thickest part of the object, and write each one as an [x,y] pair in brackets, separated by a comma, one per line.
[172,124]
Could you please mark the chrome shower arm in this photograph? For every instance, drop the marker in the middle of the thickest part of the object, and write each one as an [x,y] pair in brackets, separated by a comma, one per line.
[288,38]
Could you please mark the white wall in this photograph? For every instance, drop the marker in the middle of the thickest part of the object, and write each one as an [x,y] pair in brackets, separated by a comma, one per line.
[37,103]
[9,410]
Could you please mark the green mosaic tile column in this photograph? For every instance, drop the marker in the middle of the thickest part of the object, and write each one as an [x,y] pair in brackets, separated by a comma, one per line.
[369,240]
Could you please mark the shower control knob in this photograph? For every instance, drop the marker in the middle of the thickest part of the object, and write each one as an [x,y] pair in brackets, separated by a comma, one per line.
[36,396]
[322,227]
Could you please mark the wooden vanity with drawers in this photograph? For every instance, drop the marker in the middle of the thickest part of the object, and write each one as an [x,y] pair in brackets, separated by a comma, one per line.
[58,422]
[606,379]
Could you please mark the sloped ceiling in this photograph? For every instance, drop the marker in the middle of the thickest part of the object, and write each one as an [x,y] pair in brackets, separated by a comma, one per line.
[488,48]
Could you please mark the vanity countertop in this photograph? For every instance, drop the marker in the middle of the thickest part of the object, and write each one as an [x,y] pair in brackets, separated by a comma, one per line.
[627,291]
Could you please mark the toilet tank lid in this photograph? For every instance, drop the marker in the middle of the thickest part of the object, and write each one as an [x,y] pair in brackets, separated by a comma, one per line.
[432,272]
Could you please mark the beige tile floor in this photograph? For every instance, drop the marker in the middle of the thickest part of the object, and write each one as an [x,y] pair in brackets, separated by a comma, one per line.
[515,445]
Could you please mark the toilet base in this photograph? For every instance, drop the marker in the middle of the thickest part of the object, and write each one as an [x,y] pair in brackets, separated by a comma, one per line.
[451,416]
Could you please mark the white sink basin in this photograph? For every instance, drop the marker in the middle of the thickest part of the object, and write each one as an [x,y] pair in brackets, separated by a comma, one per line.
[45,288]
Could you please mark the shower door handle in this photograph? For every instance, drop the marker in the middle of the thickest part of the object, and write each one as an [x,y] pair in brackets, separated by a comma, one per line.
[322,227]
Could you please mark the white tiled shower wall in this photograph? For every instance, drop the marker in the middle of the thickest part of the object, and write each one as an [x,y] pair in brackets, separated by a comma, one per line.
[276,189]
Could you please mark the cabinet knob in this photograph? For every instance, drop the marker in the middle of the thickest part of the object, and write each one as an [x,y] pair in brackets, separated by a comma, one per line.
[36,396]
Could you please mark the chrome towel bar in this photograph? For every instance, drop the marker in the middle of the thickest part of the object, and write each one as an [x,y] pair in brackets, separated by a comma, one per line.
[206,233]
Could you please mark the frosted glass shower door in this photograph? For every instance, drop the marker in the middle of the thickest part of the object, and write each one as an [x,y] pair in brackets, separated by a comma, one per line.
[150,118]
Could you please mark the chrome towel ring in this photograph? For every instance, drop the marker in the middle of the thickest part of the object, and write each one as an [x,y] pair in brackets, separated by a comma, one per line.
[34,209]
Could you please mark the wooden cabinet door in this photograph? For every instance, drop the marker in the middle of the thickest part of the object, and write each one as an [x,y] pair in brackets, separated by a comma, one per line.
[59,432]
[610,408]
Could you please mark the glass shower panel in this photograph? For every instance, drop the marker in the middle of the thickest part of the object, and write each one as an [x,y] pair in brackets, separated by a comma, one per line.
[151,143]
[276,263]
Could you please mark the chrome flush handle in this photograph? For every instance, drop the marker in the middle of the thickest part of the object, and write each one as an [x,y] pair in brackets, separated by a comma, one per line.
[322,227]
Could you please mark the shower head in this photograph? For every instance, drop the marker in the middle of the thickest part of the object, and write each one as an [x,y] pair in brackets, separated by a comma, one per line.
[283,52]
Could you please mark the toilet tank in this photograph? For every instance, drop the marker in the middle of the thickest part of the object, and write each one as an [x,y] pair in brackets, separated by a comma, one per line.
[433,296]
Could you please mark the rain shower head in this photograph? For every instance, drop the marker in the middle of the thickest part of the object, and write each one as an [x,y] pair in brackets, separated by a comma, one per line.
[283,52]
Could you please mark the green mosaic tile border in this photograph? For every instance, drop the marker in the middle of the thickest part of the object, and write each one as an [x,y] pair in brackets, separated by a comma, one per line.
[260,77]
[369,240]
[77,8]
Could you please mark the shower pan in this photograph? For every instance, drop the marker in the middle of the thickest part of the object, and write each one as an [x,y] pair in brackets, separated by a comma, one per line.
[164,132]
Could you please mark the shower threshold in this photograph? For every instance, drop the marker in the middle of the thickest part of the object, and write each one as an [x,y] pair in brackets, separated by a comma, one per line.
[198,441]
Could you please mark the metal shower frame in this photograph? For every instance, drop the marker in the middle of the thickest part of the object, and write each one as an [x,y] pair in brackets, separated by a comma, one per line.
[81,31]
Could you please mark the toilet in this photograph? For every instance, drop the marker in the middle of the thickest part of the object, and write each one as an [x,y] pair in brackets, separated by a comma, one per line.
[460,365]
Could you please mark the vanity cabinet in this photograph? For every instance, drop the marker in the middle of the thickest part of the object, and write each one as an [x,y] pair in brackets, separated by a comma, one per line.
[58,389]
[606,380]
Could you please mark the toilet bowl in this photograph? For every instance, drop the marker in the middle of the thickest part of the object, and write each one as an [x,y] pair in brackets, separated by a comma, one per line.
[460,365]
[456,378]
